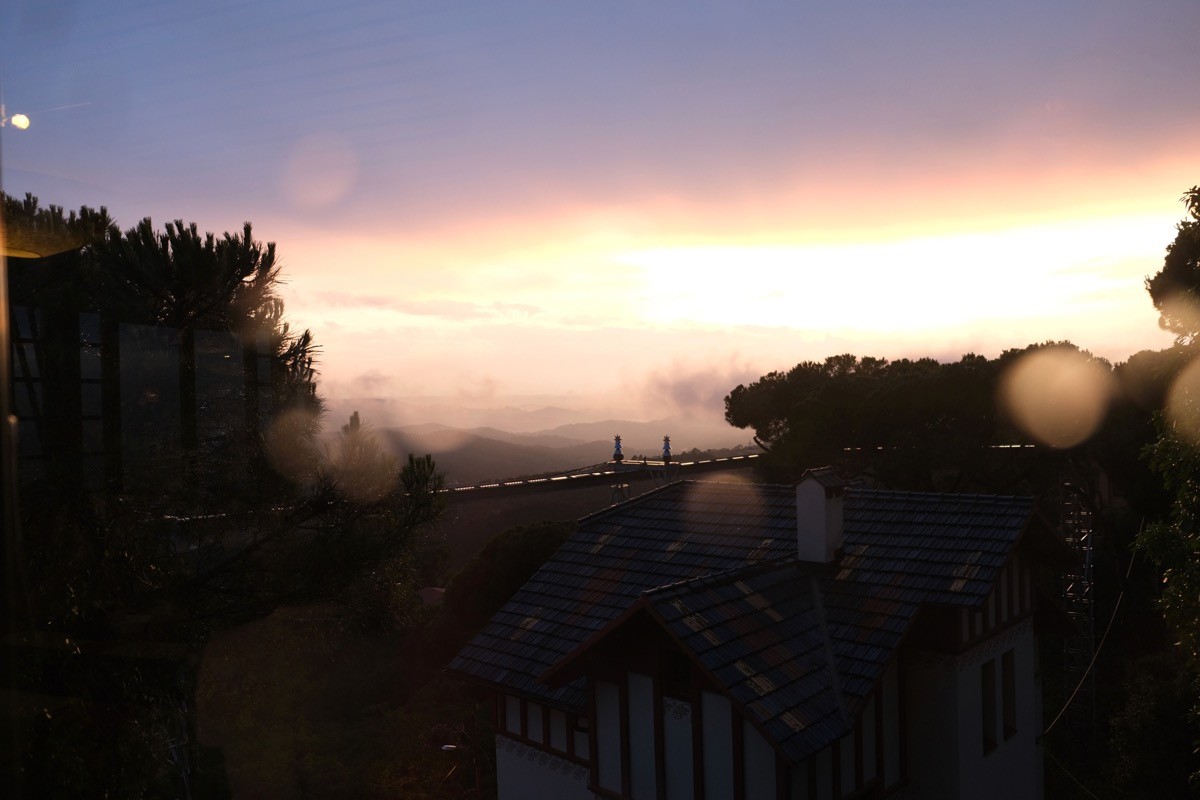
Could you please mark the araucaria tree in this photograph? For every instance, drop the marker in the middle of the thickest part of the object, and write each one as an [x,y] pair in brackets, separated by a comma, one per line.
[217,499]
[233,460]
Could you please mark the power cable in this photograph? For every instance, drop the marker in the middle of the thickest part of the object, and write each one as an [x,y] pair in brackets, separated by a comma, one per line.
[1095,654]
[1072,777]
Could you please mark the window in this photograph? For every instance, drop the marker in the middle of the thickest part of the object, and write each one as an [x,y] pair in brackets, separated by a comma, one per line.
[1008,682]
[533,722]
[579,735]
[558,730]
[988,687]
[512,714]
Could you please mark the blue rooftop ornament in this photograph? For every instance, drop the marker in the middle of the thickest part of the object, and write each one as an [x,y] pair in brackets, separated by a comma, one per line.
[617,454]
[666,449]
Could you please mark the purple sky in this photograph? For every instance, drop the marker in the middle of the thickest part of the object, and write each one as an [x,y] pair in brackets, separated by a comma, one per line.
[621,203]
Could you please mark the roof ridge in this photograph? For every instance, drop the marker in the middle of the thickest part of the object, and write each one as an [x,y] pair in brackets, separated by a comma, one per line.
[675,485]
[827,643]
[991,499]
[636,498]
[753,568]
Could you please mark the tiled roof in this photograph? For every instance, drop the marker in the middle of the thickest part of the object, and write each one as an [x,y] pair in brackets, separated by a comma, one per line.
[681,531]
[937,548]
[798,649]
[901,550]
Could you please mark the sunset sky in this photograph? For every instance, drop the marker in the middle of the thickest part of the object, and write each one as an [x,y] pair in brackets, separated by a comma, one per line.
[635,205]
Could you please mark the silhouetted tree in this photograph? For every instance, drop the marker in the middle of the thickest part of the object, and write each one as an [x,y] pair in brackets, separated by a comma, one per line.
[501,568]
[182,279]
[1172,542]
[915,424]
[34,231]
[227,529]
[1175,289]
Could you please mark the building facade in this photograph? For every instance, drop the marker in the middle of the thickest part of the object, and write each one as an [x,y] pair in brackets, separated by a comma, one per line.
[712,640]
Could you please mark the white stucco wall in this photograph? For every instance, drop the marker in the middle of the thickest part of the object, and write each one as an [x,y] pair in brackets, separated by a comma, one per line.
[946,758]
[677,746]
[642,774]
[717,722]
[608,735]
[759,765]
[1013,767]
[527,773]
[932,696]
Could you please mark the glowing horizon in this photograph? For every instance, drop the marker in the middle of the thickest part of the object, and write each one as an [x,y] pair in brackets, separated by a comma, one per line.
[486,201]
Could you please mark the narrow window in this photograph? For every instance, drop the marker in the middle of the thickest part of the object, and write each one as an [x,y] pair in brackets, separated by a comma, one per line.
[558,730]
[579,738]
[988,686]
[533,722]
[512,714]
[1008,680]
[609,772]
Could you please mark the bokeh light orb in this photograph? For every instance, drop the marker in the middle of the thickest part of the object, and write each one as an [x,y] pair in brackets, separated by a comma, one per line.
[321,170]
[1183,403]
[291,446]
[1057,395]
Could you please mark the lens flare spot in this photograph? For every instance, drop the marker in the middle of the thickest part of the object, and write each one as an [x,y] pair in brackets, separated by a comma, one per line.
[291,445]
[1057,395]
[321,170]
[366,483]
[1183,403]
[1181,311]
[361,470]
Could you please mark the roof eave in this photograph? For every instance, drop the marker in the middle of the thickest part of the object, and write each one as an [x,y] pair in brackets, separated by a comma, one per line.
[572,665]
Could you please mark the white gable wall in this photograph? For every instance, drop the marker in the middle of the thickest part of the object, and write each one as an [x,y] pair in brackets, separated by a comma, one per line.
[524,772]
[642,774]
[677,749]
[947,755]
[932,696]
[608,735]
[1012,768]
[717,718]
[759,763]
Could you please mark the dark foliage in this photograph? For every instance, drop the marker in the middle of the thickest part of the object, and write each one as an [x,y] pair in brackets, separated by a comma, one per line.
[503,567]
[1156,712]
[234,508]
[32,230]
[929,426]
[1175,289]
[920,425]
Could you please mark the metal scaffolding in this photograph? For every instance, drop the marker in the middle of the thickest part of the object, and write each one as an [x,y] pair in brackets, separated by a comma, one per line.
[1078,599]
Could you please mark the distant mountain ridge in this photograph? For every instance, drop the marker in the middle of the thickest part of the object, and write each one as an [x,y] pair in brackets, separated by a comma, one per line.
[394,413]
[481,454]
[646,438]
[469,458]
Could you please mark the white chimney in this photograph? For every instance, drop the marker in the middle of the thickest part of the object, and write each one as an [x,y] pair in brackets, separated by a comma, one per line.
[819,515]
